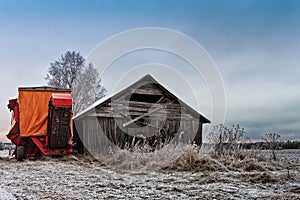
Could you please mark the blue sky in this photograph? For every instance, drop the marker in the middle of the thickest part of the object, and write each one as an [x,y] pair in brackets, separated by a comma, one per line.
[255,45]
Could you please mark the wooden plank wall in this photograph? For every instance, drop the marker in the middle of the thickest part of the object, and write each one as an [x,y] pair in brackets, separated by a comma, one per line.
[110,117]
[101,132]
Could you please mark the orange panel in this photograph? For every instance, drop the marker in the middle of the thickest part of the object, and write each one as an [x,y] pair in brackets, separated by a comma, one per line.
[34,111]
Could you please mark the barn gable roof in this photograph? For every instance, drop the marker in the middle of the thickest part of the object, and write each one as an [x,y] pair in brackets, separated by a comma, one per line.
[147,79]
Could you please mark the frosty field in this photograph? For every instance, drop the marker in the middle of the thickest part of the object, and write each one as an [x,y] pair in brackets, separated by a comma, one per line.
[191,176]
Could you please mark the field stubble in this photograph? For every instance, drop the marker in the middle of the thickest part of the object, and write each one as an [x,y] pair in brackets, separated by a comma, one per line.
[175,172]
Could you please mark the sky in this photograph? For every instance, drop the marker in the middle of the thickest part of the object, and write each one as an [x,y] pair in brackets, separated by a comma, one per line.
[254,44]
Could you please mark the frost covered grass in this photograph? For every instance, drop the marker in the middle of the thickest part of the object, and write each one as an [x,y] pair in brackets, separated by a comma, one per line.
[181,172]
[144,158]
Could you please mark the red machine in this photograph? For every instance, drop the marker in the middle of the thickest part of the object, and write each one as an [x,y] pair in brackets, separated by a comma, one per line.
[41,122]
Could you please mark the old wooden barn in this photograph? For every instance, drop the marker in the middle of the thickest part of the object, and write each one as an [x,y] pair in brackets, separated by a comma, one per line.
[144,112]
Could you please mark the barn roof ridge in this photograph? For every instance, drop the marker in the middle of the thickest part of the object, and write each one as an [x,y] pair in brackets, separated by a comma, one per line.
[147,78]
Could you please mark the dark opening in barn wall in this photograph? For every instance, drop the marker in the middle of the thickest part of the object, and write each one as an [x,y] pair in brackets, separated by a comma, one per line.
[144,112]
[147,98]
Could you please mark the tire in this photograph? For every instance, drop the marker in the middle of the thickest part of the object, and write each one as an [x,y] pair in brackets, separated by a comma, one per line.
[20,153]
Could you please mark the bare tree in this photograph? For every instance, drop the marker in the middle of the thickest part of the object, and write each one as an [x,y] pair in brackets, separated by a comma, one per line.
[70,72]
[272,143]
[63,72]
[87,88]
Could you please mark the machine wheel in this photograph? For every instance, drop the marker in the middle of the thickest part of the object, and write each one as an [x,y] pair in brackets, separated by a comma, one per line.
[20,153]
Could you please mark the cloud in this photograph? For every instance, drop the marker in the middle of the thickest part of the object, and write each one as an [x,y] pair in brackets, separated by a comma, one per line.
[255,45]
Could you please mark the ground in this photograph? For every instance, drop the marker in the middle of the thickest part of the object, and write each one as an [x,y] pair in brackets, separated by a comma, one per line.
[191,176]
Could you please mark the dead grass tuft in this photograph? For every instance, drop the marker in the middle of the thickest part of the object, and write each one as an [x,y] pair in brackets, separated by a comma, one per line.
[191,161]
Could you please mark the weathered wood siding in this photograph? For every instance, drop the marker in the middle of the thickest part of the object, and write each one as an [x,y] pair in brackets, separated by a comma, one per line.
[102,132]
[158,114]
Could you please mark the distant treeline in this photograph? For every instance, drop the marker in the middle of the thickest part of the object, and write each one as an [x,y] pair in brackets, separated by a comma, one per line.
[280,145]
[264,145]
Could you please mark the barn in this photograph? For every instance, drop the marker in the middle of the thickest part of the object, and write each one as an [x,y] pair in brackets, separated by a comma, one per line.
[144,112]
